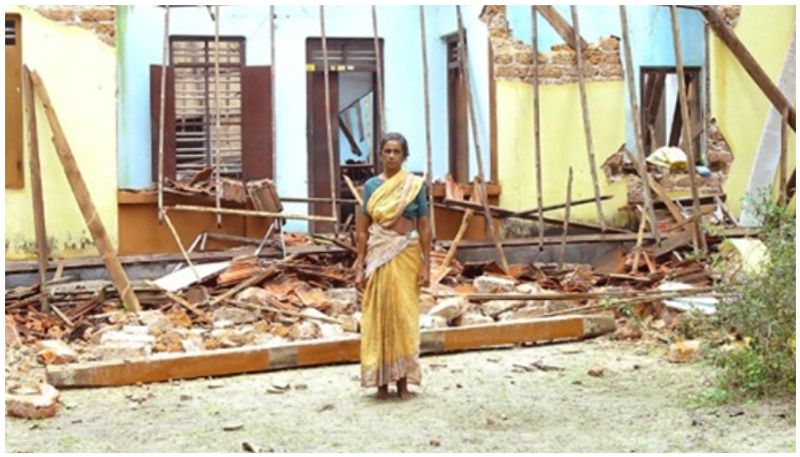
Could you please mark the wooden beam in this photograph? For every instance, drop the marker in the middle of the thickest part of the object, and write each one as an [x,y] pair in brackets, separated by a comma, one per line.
[428,150]
[561,26]
[637,125]
[328,127]
[221,362]
[36,186]
[587,125]
[349,136]
[84,199]
[699,240]
[750,64]
[462,47]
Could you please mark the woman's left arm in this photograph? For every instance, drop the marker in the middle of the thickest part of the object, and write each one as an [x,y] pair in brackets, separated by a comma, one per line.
[424,228]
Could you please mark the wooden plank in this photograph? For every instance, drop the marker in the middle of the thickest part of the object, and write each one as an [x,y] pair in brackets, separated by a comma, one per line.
[587,125]
[699,240]
[484,199]
[84,199]
[220,362]
[750,64]
[566,223]
[428,147]
[637,125]
[42,250]
[561,26]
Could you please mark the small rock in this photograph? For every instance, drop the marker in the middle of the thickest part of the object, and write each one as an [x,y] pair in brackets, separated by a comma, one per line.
[449,308]
[349,323]
[528,288]
[280,385]
[185,397]
[37,406]
[596,371]
[156,321]
[493,284]
[472,319]
[272,390]
[250,448]
[215,385]
[427,322]
[490,422]
[234,315]
[300,387]
[326,407]
[684,351]
[305,330]
[435,443]
[495,307]
[232,427]
[12,335]
[55,352]
[255,295]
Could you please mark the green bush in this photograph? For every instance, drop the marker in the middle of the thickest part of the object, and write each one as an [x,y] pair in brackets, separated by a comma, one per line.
[762,313]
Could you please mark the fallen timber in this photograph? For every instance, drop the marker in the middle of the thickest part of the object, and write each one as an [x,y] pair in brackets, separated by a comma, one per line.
[253,359]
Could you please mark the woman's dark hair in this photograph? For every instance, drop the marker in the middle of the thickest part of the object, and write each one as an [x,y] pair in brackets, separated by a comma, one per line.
[394,136]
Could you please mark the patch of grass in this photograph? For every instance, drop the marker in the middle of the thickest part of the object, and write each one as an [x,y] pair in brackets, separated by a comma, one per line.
[710,396]
[763,316]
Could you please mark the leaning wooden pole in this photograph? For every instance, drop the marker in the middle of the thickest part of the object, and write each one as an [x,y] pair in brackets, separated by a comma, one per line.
[161,109]
[462,47]
[587,125]
[537,143]
[36,187]
[637,122]
[699,238]
[328,128]
[566,222]
[783,200]
[84,199]
[217,126]
[379,70]
[428,152]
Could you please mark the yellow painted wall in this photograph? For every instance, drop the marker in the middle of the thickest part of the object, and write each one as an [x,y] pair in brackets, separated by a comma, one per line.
[80,74]
[563,145]
[736,101]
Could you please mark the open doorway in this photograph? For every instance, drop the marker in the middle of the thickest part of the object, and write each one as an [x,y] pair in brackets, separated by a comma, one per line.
[661,113]
[354,120]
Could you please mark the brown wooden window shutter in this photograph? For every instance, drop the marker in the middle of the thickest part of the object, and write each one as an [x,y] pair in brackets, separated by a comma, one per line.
[256,123]
[14,138]
[169,121]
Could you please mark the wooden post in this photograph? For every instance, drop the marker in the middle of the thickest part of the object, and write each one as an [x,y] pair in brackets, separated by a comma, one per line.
[639,239]
[706,91]
[566,221]
[36,186]
[378,67]
[537,144]
[428,152]
[162,101]
[462,46]
[84,199]
[217,126]
[272,90]
[587,125]
[700,240]
[784,142]
[637,126]
[180,243]
[329,132]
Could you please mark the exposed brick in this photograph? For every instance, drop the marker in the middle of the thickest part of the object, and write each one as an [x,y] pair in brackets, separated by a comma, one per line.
[609,44]
[563,57]
[611,71]
[503,59]
[525,58]
[60,14]
[550,71]
[504,71]
[97,14]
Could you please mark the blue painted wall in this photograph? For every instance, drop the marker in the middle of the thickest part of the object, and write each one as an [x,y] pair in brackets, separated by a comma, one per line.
[140,35]
[650,31]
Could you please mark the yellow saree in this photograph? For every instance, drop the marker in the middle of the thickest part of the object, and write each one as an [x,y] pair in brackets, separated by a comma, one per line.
[390,307]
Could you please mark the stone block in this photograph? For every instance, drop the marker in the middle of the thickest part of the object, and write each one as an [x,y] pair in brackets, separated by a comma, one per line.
[493,284]
[449,308]
[55,352]
[33,406]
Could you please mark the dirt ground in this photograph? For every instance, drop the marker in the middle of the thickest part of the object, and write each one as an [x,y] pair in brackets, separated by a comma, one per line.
[480,401]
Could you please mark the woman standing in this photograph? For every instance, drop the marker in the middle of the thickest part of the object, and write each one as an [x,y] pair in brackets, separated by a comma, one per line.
[393,246]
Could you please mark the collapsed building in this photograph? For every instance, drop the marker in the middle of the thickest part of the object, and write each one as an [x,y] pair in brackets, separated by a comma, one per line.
[212,158]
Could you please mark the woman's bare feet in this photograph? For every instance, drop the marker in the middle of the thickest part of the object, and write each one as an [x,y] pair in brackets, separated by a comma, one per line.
[383,392]
[402,390]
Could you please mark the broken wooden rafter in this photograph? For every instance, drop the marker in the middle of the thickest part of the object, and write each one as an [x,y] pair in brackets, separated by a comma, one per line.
[561,26]
[750,64]
[220,362]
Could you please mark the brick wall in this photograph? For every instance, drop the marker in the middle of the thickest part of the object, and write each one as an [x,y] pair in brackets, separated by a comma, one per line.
[97,18]
[513,59]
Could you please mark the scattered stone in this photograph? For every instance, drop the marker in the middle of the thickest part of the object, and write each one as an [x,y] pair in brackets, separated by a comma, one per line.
[215,385]
[185,397]
[493,284]
[271,390]
[305,330]
[449,308]
[495,307]
[472,319]
[130,342]
[596,372]
[684,351]
[300,387]
[349,323]
[33,406]
[427,322]
[326,407]
[527,312]
[234,315]
[528,288]
[280,385]
[435,443]
[232,427]
[12,335]
[255,295]
[55,352]
[156,321]
[341,299]
[170,341]
[250,448]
